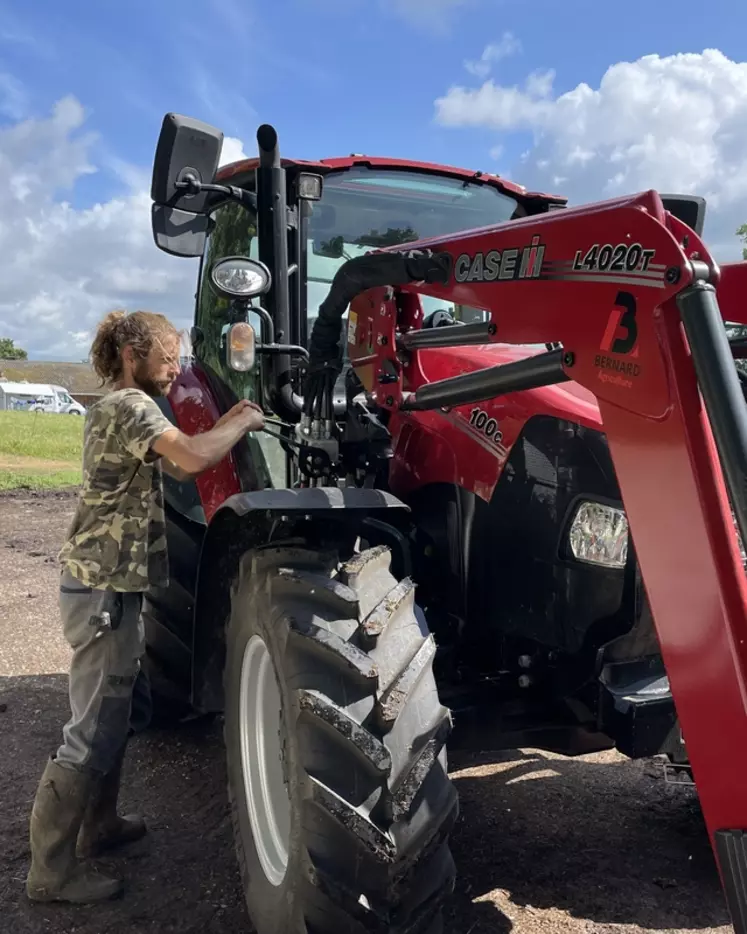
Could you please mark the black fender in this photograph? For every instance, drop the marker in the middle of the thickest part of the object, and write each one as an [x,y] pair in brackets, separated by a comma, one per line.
[250,520]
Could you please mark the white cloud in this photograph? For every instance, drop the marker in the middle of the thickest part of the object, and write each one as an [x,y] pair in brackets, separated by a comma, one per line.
[63,269]
[507,45]
[676,123]
[232,151]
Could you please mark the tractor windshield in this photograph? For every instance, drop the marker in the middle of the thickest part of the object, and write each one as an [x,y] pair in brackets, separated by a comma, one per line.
[364,209]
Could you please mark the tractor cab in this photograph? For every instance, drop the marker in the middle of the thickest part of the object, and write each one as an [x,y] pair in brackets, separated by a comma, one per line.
[334,210]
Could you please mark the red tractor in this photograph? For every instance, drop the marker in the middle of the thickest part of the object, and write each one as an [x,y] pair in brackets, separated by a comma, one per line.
[498,500]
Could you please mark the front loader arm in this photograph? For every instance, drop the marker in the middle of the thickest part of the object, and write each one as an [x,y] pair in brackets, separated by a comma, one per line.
[631,294]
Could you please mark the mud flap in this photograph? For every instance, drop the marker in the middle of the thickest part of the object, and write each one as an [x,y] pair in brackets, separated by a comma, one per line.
[731,849]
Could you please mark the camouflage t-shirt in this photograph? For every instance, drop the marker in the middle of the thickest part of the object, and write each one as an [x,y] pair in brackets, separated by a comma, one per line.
[117,540]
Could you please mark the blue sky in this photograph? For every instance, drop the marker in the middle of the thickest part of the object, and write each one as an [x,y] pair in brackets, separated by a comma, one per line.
[336,76]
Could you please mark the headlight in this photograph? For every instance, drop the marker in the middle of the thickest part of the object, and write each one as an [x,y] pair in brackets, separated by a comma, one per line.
[599,535]
[240,277]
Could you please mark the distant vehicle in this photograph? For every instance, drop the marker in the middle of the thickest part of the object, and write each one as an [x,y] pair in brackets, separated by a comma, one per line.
[66,403]
[38,397]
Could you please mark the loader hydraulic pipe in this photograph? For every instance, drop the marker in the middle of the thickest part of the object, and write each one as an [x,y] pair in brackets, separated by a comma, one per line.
[272,234]
[456,335]
[720,387]
[543,370]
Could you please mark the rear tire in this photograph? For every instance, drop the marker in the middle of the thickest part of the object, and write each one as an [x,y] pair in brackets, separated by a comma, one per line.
[348,834]
[169,703]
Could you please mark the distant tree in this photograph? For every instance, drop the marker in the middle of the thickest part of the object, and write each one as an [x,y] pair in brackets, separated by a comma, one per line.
[737,332]
[9,351]
[742,234]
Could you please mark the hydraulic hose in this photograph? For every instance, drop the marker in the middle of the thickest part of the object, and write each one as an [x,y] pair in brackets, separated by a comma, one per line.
[353,277]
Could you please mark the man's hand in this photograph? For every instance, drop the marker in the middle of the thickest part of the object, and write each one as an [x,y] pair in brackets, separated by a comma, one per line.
[241,408]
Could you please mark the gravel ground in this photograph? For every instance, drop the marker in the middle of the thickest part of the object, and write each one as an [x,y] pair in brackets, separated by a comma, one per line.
[594,844]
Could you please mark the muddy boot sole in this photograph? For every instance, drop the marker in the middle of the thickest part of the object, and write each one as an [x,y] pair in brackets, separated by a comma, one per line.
[82,889]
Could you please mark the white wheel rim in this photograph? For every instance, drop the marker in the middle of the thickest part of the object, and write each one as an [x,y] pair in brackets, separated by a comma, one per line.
[261,760]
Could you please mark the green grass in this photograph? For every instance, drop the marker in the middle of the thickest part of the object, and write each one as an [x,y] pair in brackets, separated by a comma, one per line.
[38,480]
[39,450]
[41,434]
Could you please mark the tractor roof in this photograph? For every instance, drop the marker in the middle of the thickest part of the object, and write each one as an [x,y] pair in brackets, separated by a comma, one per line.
[324,166]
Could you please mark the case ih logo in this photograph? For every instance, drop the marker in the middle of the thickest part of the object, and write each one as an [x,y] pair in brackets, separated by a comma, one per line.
[620,338]
[497,265]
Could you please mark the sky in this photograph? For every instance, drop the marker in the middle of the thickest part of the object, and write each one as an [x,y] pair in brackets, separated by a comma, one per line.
[583,99]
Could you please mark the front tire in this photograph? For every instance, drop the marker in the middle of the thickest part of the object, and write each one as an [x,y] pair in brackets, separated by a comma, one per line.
[335,741]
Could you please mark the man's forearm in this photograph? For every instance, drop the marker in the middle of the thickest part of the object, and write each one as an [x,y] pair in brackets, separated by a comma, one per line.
[193,454]
[212,446]
[178,473]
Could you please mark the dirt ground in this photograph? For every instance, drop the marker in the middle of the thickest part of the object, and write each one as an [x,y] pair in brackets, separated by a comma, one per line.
[544,844]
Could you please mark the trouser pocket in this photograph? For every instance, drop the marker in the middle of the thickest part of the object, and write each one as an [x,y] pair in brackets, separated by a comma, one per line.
[105,631]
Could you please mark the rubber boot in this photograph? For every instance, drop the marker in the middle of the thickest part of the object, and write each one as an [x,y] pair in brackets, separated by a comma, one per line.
[102,828]
[56,874]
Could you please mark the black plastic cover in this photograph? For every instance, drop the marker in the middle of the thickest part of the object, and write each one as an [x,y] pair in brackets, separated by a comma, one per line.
[185,145]
[690,209]
[731,847]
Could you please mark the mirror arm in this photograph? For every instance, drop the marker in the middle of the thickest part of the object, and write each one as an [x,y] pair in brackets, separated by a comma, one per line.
[191,186]
[277,349]
[269,336]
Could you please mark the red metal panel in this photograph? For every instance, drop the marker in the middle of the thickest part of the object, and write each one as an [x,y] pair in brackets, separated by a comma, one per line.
[680,520]
[195,412]
[481,457]
[732,292]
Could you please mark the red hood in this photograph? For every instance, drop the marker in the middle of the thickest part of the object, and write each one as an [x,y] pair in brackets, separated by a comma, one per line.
[569,400]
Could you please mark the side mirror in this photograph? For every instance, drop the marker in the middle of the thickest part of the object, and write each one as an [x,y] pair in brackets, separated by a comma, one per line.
[330,249]
[239,277]
[185,147]
[187,150]
[177,232]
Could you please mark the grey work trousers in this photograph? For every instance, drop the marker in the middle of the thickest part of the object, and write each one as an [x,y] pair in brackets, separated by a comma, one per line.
[109,690]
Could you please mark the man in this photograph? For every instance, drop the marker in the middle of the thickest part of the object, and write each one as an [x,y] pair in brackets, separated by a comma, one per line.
[115,550]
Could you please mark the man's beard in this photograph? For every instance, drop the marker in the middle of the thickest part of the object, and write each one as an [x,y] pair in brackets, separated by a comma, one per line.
[145,381]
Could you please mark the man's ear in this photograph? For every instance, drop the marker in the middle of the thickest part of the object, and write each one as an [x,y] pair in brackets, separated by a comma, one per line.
[128,355]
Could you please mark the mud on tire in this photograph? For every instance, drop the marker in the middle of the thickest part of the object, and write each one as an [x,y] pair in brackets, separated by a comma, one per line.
[361,792]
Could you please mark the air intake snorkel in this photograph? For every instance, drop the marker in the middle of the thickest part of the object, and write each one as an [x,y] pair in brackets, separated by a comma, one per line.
[273,250]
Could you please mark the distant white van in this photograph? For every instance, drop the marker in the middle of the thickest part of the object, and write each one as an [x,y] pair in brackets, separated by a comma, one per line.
[66,403]
[38,397]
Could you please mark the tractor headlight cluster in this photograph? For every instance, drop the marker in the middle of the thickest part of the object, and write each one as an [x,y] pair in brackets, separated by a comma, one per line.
[599,535]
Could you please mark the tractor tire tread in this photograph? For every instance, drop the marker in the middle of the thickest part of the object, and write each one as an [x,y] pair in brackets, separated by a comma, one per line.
[378,863]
